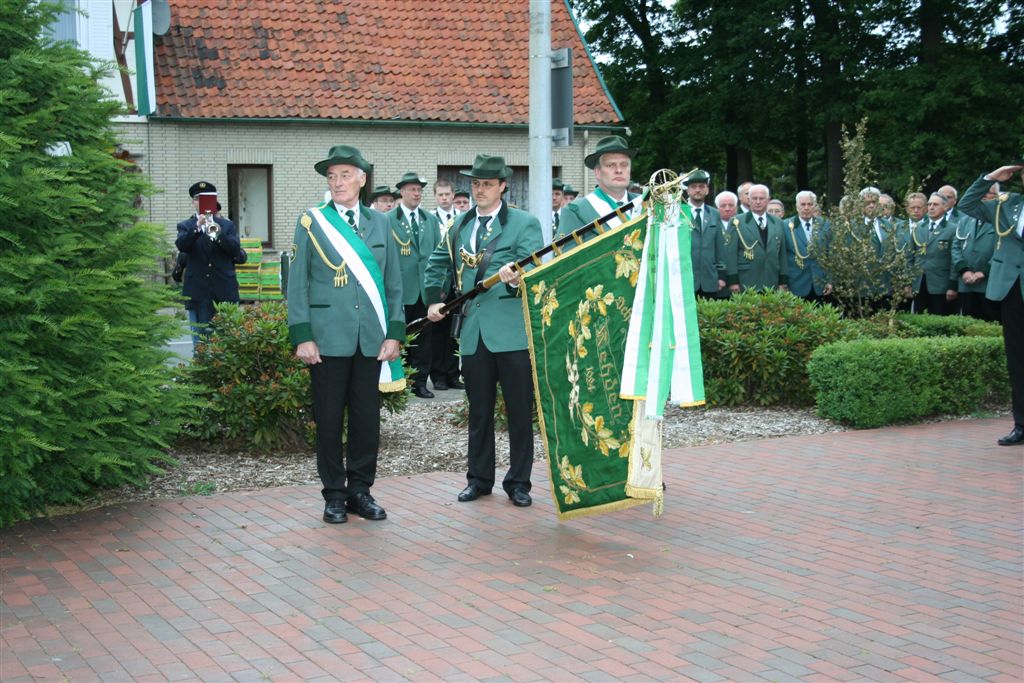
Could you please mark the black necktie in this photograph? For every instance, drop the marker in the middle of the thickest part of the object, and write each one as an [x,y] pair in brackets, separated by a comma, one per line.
[932,229]
[762,230]
[350,216]
[478,237]
[414,227]
[807,229]
[697,220]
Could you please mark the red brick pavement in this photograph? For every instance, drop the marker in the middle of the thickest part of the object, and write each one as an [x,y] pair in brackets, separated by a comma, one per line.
[892,554]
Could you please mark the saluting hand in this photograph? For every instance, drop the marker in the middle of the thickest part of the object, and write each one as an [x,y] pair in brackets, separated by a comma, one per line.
[1003,173]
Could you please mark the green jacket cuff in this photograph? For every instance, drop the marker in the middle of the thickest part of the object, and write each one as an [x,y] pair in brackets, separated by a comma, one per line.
[303,332]
[434,295]
[783,279]
[732,279]
[396,330]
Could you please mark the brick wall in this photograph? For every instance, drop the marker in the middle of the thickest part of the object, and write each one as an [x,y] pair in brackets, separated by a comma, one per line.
[175,154]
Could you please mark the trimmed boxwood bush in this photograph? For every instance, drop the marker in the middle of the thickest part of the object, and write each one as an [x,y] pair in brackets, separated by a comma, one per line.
[912,325]
[875,382]
[927,325]
[755,347]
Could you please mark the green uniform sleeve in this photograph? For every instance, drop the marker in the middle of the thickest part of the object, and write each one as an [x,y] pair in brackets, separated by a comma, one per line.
[393,292]
[438,271]
[299,328]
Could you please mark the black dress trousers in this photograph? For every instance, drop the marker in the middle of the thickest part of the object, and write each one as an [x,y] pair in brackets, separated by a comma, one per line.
[482,372]
[341,382]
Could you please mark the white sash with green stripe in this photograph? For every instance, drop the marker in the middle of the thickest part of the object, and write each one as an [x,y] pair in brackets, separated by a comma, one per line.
[604,205]
[360,262]
[662,357]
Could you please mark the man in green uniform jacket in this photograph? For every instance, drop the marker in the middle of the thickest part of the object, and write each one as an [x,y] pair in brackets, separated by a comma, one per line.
[761,263]
[726,203]
[806,236]
[932,254]
[611,161]
[485,241]
[345,319]
[973,244]
[416,233]
[1006,277]
[707,244]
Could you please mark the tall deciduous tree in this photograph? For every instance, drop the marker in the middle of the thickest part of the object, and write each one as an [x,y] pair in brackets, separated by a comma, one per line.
[86,396]
[764,90]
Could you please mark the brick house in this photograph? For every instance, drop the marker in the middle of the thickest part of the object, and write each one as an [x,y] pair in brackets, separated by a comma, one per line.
[249,95]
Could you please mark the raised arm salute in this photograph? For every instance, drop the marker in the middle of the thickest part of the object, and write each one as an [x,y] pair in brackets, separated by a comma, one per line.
[1006,276]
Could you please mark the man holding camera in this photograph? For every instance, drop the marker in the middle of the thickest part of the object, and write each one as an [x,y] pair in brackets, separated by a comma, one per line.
[212,248]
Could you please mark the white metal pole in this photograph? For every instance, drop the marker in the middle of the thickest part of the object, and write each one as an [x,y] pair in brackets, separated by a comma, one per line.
[540,114]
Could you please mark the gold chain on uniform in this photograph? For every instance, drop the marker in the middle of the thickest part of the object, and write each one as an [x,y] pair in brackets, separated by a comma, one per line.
[922,249]
[999,205]
[472,260]
[799,258]
[748,249]
[340,274]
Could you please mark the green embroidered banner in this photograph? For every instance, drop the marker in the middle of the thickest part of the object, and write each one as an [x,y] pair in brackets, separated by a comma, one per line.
[577,309]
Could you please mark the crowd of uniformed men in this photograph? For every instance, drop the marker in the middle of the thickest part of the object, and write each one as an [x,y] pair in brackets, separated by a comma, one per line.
[359,274]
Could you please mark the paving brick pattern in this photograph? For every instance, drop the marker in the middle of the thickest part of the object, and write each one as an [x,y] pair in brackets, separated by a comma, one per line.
[883,555]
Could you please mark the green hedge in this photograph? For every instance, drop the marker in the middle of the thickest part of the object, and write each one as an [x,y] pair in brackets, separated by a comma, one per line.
[913,325]
[755,347]
[927,325]
[875,382]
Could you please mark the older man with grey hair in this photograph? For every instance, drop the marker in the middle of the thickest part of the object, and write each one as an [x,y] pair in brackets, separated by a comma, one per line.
[931,249]
[807,236]
[950,195]
[727,203]
[761,263]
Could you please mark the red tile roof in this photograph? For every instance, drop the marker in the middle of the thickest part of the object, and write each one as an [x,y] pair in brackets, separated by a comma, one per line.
[461,62]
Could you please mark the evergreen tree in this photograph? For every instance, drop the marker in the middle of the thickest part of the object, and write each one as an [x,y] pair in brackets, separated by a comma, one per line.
[86,395]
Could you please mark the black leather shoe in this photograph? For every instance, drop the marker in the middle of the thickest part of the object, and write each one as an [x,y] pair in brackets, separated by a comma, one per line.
[440,386]
[1013,438]
[422,391]
[456,384]
[365,506]
[520,498]
[472,492]
[334,512]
